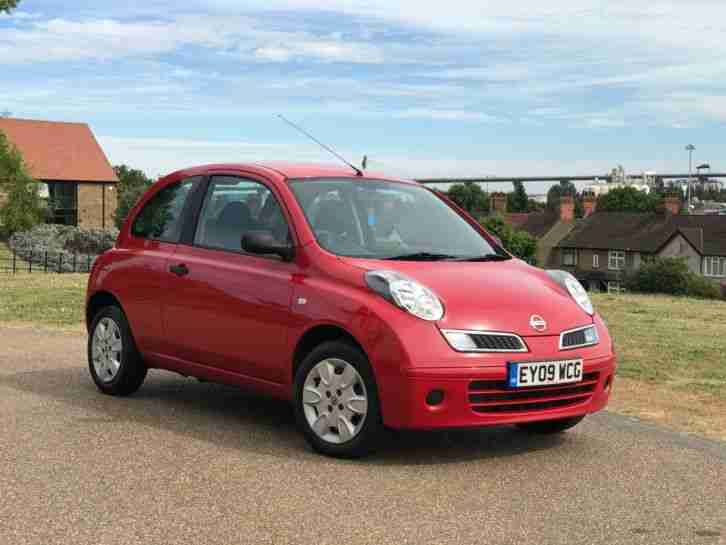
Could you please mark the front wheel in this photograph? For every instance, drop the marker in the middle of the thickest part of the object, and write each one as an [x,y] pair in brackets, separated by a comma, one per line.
[113,360]
[336,401]
[548,427]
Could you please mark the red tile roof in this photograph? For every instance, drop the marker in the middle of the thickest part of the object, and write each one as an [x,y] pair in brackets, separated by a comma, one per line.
[59,151]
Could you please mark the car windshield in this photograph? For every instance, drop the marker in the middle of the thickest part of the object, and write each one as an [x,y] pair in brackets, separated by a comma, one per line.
[380,219]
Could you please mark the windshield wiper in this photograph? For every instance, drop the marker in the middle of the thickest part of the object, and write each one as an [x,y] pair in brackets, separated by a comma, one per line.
[487,257]
[422,256]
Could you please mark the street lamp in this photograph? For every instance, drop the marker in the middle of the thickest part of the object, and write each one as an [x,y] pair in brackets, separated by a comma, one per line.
[690,148]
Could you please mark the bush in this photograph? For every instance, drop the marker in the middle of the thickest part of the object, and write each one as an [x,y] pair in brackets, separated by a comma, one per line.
[62,248]
[520,243]
[470,197]
[671,276]
[702,287]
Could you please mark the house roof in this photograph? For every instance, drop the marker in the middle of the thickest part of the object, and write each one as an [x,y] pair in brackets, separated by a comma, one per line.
[537,224]
[647,233]
[55,151]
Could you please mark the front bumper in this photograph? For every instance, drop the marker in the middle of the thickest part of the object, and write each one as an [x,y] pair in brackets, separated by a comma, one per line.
[476,396]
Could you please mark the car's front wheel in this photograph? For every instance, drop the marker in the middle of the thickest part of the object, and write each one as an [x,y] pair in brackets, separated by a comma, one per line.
[336,401]
[113,360]
[548,427]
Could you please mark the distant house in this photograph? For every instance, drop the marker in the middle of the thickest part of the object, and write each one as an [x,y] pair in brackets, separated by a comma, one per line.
[66,156]
[547,227]
[603,248]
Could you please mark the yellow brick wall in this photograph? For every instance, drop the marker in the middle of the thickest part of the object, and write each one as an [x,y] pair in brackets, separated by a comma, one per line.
[91,205]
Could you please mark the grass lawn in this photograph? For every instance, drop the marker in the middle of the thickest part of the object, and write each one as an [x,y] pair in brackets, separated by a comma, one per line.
[676,341]
[43,298]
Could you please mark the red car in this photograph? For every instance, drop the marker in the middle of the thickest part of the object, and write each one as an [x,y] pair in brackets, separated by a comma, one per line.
[367,302]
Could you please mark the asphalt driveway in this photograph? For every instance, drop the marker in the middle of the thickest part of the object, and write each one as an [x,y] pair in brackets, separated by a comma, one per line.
[185,462]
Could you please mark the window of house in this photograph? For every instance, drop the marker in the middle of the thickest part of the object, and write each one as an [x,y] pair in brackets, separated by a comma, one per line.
[234,206]
[595,261]
[616,260]
[714,266]
[63,202]
[160,219]
[569,257]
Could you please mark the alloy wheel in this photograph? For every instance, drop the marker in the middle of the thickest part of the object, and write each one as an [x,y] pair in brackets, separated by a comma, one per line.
[335,400]
[106,349]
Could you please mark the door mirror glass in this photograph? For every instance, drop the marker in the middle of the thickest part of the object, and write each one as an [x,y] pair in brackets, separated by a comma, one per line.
[265,244]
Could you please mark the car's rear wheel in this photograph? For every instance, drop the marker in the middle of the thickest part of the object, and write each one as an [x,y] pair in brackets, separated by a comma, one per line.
[336,401]
[113,360]
[548,427]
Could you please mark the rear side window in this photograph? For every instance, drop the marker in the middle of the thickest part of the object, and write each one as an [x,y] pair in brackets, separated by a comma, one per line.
[161,217]
[235,206]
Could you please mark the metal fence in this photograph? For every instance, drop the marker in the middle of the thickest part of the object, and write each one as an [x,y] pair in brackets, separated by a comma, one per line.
[45,261]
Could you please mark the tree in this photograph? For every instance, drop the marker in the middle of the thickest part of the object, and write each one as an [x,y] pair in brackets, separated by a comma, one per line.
[22,208]
[470,197]
[627,199]
[132,184]
[517,201]
[556,192]
[520,243]
[8,5]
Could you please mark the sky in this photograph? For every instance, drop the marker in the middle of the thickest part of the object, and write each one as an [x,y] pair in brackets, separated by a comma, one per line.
[424,88]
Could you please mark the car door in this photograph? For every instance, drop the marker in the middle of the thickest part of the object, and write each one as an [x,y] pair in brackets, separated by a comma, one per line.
[153,238]
[225,308]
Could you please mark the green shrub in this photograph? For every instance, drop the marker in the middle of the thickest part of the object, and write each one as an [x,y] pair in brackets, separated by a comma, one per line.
[702,287]
[672,276]
[520,243]
[470,197]
[62,247]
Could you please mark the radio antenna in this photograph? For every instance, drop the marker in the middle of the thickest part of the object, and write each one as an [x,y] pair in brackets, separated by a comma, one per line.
[358,172]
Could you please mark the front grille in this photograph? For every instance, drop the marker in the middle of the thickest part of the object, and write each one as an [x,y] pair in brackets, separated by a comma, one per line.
[573,338]
[493,397]
[579,337]
[508,343]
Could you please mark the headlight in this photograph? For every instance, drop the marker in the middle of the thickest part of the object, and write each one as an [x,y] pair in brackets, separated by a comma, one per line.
[574,288]
[406,293]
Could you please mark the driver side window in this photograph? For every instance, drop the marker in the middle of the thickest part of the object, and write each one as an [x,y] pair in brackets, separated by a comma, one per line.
[235,206]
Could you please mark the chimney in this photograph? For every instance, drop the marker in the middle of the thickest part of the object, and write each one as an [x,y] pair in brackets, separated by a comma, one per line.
[672,204]
[498,204]
[589,203]
[567,209]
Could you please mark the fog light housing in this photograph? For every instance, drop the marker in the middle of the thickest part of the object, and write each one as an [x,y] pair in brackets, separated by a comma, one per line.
[435,397]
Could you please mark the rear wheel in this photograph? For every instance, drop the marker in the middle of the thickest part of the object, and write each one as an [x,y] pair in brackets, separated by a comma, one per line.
[548,427]
[113,360]
[336,401]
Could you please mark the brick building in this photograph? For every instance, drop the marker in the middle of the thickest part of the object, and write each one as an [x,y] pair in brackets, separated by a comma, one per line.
[547,227]
[603,248]
[66,156]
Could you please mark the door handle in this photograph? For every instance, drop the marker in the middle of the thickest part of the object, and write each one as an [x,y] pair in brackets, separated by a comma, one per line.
[179,270]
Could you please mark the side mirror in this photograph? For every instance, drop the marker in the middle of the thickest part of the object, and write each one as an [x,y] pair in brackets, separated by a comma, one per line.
[265,244]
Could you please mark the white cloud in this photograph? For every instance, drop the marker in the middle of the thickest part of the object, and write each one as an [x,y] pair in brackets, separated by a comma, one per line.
[447,115]
[323,50]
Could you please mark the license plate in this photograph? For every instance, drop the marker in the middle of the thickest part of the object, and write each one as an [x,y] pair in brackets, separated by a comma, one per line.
[544,373]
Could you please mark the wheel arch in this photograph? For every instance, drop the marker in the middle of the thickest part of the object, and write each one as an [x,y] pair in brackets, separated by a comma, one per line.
[99,300]
[317,335]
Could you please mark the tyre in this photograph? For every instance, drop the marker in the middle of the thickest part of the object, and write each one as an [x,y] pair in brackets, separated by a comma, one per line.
[336,401]
[547,427]
[113,360]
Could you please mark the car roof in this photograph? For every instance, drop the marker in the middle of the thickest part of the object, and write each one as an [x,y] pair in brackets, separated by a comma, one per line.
[288,170]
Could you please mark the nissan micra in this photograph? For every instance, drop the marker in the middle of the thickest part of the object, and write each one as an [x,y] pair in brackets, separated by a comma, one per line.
[367,302]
